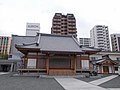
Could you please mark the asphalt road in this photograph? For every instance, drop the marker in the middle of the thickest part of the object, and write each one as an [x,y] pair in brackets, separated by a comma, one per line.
[114,83]
[28,83]
[8,82]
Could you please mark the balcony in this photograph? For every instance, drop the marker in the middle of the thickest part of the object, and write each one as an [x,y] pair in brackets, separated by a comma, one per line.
[57,27]
[71,20]
[56,30]
[72,31]
[72,24]
[72,27]
[56,22]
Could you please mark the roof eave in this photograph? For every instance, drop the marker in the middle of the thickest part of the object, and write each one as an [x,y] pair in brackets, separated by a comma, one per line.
[61,52]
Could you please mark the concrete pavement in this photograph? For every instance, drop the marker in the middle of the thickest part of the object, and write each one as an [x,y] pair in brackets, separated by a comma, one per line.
[59,83]
[113,83]
[75,84]
[113,88]
[102,80]
[2,73]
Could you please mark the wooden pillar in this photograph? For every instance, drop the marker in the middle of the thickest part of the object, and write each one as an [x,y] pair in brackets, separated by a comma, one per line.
[75,64]
[71,62]
[81,62]
[89,60]
[25,60]
[47,64]
[113,69]
[37,61]
[100,68]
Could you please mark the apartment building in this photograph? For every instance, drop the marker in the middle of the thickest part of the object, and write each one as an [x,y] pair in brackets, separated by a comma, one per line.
[115,41]
[32,29]
[100,37]
[64,24]
[5,44]
[84,42]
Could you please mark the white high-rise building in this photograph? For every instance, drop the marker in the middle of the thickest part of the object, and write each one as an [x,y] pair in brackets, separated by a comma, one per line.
[32,29]
[115,41]
[84,42]
[100,37]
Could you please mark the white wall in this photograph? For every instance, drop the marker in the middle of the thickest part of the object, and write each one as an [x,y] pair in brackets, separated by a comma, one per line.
[31,32]
[85,64]
[31,63]
[110,69]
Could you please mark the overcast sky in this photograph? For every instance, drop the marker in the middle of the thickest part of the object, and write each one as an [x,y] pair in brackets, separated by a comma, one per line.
[14,14]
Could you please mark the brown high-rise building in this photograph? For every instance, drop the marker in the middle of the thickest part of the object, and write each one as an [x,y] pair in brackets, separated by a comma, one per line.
[64,25]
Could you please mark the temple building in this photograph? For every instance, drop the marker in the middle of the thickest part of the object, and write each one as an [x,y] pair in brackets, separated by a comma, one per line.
[52,54]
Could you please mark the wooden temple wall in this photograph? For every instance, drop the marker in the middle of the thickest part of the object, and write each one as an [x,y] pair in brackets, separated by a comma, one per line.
[70,63]
[54,62]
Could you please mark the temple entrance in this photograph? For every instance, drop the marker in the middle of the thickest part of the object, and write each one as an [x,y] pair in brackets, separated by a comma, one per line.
[61,65]
[105,69]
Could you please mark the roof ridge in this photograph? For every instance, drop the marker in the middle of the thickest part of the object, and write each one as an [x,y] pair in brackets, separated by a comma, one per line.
[38,41]
[45,34]
[75,41]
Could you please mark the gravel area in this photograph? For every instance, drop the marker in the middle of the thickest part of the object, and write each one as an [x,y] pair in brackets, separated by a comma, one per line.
[114,83]
[28,83]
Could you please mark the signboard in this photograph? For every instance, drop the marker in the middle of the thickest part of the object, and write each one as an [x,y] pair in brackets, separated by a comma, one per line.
[33,26]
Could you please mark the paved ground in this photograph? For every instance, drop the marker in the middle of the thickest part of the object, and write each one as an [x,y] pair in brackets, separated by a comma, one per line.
[28,83]
[92,78]
[43,83]
[88,79]
[113,83]
[103,80]
[75,84]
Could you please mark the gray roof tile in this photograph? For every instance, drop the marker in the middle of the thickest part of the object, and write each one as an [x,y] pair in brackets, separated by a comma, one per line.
[50,43]
[58,43]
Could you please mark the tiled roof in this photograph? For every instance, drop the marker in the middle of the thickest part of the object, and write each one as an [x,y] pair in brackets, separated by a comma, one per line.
[51,43]
[20,41]
[58,43]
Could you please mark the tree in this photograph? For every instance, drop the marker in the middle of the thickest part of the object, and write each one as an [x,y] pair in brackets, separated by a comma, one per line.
[3,56]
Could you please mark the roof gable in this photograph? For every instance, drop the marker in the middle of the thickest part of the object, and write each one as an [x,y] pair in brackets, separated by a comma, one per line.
[107,62]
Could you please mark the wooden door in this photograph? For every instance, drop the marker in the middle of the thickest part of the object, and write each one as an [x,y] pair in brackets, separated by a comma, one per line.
[105,69]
